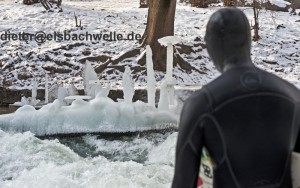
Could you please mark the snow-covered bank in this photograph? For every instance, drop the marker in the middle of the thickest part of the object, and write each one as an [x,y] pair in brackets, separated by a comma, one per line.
[277,51]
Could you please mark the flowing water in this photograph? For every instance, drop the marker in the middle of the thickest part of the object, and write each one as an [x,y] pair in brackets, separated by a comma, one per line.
[86,161]
[89,161]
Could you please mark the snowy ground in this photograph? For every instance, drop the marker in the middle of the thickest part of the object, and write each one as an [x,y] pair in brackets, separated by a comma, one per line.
[277,51]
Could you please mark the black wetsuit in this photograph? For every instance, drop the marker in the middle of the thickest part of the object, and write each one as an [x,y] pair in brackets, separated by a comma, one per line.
[248,120]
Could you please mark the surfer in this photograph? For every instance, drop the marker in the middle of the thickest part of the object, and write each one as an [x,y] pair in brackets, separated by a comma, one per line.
[247,119]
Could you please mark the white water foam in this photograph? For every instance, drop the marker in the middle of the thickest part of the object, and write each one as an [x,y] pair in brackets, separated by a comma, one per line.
[28,162]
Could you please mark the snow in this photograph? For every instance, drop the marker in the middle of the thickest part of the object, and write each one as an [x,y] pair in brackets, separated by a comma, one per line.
[280,3]
[32,59]
[98,115]
[75,97]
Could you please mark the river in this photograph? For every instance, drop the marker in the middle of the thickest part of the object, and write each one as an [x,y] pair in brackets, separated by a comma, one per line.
[86,161]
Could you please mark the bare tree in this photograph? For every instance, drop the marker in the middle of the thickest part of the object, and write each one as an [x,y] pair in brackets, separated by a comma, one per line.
[160,23]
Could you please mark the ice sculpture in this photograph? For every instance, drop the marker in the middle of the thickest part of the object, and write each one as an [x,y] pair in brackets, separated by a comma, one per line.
[98,115]
[88,75]
[30,100]
[46,90]
[72,90]
[128,85]
[170,82]
[169,41]
[24,101]
[61,94]
[150,77]
[104,92]
[34,93]
[163,103]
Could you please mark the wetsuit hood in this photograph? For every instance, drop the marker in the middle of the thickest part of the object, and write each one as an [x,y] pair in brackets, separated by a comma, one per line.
[228,39]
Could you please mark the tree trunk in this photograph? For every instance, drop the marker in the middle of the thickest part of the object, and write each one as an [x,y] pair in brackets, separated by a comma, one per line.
[160,23]
[293,11]
[256,26]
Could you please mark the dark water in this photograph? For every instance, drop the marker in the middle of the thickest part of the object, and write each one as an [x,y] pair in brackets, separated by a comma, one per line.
[114,148]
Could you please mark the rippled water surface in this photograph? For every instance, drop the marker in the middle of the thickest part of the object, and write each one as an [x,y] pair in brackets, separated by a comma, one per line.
[87,161]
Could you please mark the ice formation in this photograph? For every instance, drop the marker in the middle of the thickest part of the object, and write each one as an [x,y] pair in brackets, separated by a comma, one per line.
[89,75]
[46,90]
[150,77]
[128,85]
[30,100]
[163,103]
[34,93]
[72,90]
[98,115]
[167,88]
[24,101]
[61,94]
[104,92]
[101,114]
[169,41]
